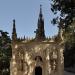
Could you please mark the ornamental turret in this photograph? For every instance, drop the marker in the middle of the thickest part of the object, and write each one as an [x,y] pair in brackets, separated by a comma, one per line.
[14,34]
[40,33]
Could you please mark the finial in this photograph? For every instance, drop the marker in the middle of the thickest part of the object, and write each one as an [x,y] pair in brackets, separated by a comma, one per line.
[40,14]
[40,6]
[13,23]
[14,20]
[40,9]
[14,28]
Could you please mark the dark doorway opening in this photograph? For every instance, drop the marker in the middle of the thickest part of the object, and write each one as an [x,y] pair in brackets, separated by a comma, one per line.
[38,71]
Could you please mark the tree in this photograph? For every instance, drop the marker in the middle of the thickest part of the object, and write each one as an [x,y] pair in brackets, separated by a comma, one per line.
[67,15]
[67,9]
[5,53]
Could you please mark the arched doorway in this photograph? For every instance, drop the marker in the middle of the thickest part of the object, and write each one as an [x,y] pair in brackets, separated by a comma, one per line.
[38,70]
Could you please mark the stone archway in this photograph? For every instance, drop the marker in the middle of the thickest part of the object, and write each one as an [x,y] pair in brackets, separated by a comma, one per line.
[38,70]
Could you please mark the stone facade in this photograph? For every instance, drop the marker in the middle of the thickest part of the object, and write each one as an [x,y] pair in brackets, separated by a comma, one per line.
[37,56]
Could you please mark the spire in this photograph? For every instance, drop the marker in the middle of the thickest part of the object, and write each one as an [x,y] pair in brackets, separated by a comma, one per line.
[40,34]
[40,15]
[14,28]
[14,34]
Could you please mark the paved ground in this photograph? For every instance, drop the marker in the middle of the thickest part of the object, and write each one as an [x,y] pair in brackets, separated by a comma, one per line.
[68,73]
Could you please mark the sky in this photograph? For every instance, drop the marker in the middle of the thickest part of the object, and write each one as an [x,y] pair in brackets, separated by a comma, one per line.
[26,13]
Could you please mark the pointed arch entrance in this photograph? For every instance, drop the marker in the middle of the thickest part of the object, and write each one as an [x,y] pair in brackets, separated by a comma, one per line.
[38,70]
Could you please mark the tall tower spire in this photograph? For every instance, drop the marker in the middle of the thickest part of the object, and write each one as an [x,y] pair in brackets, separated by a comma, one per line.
[40,15]
[14,34]
[40,33]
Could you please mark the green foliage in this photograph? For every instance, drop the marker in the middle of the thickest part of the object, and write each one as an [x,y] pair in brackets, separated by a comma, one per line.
[69,54]
[67,14]
[5,53]
[67,9]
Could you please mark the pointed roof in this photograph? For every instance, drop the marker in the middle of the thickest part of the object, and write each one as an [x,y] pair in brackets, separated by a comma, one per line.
[40,32]
[14,27]
[40,14]
[14,34]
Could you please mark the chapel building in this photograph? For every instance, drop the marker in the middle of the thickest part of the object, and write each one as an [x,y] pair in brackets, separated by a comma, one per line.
[39,55]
